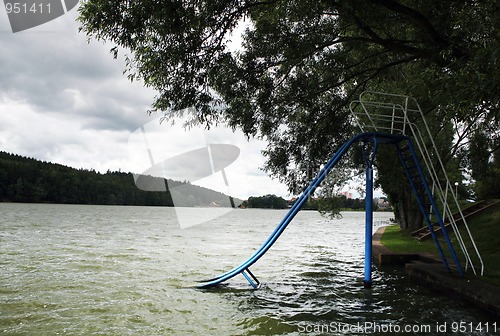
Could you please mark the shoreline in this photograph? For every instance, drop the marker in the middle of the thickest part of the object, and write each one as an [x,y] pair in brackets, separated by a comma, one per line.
[427,268]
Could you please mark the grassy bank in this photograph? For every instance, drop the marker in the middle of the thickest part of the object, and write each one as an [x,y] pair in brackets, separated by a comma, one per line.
[403,242]
[485,228]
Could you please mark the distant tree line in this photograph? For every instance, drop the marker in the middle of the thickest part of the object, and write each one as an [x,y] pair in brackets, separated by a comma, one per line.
[324,204]
[340,202]
[265,202]
[29,180]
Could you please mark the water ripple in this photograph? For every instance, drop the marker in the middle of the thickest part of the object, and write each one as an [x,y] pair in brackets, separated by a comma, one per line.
[85,270]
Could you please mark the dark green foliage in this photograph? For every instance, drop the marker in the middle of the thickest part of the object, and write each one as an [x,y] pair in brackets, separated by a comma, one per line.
[304,61]
[323,205]
[485,165]
[28,180]
[267,202]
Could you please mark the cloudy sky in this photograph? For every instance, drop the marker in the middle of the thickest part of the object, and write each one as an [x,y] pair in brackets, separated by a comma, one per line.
[66,101]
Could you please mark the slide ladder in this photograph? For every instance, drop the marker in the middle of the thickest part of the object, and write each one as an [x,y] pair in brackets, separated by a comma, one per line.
[425,199]
[399,114]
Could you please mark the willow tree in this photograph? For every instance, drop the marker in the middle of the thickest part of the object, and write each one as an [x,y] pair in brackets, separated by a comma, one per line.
[301,63]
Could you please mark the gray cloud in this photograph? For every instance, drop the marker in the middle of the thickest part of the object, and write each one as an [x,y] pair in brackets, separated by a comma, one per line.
[67,101]
[60,73]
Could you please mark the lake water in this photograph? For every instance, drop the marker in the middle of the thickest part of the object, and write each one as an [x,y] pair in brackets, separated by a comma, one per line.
[110,270]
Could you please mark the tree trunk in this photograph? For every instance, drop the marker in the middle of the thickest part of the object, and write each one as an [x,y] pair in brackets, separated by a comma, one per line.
[394,182]
[406,210]
[409,219]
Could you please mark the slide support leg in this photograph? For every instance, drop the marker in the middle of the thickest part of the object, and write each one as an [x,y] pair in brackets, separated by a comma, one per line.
[251,278]
[367,280]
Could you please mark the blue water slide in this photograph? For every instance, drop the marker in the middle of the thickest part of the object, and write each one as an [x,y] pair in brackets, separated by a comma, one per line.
[382,138]
[243,268]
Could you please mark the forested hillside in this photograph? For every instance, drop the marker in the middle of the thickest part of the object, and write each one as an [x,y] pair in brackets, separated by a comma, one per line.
[29,180]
